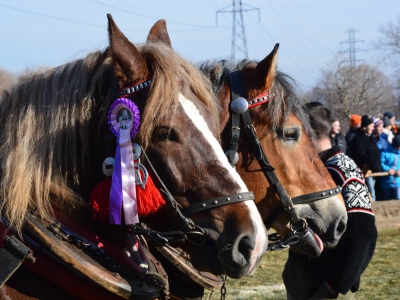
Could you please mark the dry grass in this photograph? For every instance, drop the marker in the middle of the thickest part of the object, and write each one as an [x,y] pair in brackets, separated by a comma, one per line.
[381,280]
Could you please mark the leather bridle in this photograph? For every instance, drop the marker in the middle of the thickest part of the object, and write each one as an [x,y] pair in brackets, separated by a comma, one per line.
[180,216]
[239,110]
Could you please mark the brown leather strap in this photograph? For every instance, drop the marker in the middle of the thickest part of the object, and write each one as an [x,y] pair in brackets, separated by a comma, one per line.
[217,202]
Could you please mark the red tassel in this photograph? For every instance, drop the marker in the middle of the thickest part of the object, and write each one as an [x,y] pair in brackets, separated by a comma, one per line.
[149,199]
[99,199]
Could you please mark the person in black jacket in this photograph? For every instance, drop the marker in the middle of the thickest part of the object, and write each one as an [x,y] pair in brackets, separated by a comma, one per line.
[364,151]
[336,271]
[337,138]
[355,123]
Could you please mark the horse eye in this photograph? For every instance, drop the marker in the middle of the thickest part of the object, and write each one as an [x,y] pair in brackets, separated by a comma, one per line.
[166,134]
[291,134]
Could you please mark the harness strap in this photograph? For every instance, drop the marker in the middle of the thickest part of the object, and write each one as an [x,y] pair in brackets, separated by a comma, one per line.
[235,133]
[217,202]
[268,170]
[12,256]
[237,90]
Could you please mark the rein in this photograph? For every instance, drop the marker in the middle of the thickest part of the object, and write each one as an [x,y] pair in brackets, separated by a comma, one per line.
[240,108]
[190,232]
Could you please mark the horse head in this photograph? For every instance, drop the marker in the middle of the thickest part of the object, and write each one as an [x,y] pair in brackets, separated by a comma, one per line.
[179,132]
[273,114]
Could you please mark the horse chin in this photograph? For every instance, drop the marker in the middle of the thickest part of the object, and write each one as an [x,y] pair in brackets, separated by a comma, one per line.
[310,245]
[204,259]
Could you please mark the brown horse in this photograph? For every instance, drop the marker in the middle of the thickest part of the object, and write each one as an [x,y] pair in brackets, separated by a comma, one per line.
[55,137]
[275,111]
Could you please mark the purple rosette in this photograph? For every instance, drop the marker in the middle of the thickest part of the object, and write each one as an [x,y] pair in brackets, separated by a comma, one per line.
[124,121]
[123,111]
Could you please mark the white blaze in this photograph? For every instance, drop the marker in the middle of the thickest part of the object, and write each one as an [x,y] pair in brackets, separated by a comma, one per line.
[194,115]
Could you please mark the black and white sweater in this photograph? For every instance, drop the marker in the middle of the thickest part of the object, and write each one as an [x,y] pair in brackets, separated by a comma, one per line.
[342,266]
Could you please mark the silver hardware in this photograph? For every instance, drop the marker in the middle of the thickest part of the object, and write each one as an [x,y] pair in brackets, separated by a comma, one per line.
[323,194]
[203,205]
[235,158]
[228,199]
[215,202]
[138,176]
[239,105]
[137,151]
[108,166]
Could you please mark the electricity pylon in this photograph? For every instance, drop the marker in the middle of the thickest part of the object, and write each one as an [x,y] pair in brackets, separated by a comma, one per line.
[239,43]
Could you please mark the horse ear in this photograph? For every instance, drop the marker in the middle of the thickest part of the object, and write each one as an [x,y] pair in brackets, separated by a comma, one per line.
[159,33]
[128,63]
[266,69]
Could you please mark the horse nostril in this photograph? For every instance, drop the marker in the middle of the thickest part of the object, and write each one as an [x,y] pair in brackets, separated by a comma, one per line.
[246,247]
[341,226]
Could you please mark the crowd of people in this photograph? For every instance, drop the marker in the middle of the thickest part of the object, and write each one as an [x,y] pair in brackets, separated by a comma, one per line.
[374,144]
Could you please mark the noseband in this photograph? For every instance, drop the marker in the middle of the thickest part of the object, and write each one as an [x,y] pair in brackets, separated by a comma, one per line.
[181,221]
[240,108]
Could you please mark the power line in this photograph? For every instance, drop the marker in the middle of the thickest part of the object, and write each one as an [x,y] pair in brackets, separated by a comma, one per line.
[299,29]
[147,17]
[50,17]
[290,31]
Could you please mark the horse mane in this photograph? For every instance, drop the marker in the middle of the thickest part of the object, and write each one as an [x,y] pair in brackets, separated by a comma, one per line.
[45,120]
[287,98]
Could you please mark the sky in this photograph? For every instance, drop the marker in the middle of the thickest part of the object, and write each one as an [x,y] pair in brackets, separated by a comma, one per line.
[37,33]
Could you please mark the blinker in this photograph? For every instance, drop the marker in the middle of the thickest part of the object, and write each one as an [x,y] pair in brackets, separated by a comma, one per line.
[239,105]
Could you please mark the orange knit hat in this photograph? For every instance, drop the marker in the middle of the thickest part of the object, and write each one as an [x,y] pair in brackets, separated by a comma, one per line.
[355,120]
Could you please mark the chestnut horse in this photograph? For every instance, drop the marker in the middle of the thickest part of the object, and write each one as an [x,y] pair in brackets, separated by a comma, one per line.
[55,137]
[274,110]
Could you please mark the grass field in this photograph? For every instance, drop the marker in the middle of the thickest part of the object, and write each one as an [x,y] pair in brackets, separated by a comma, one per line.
[381,280]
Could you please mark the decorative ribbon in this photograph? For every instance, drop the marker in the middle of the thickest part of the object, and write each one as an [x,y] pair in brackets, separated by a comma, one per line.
[124,121]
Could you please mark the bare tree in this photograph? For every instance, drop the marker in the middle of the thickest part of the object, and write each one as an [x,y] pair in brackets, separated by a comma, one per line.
[348,90]
[390,42]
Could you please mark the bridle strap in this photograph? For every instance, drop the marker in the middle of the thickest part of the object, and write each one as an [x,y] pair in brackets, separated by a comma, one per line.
[217,202]
[312,197]
[237,90]
[266,167]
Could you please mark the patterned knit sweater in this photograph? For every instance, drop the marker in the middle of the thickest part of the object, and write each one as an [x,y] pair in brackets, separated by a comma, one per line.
[342,266]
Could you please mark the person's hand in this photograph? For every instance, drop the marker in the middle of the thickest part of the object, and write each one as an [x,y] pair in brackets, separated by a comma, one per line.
[398,173]
[391,172]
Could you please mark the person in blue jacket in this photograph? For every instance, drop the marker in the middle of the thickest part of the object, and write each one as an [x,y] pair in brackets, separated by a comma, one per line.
[390,162]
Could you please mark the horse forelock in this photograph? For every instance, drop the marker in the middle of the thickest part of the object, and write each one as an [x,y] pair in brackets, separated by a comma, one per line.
[287,98]
[171,75]
[44,121]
